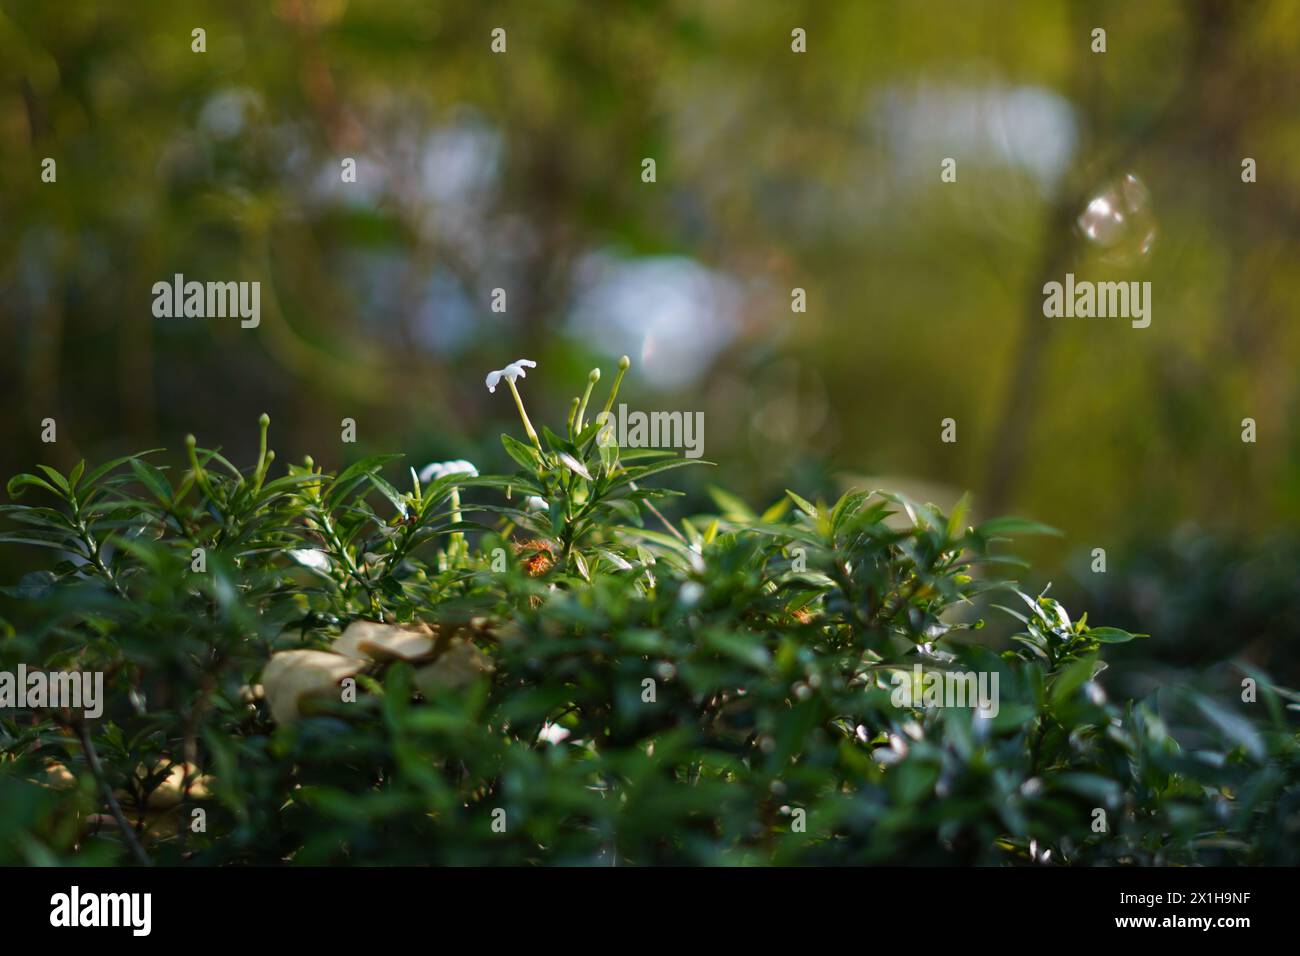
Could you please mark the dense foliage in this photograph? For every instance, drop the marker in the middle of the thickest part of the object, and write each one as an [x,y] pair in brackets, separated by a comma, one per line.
[626,690]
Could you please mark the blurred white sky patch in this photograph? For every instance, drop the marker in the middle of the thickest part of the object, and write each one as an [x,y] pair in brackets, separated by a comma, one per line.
[447,176]
[227,112]
[1028,127]
[669,313]
[446,320]
[369,189]
[460,165]
[458,171]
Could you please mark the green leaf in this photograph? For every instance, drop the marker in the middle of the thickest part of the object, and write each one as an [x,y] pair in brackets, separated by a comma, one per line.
[525,455]
[353,475]
[642,454]
[25,480]
[388,491]
[1112,635]
[645,471]
[1233,726]
[108,466]
[803,504]
[1072,678]
[958,517]
[57,478]
[776,512]
[609,456]
[555,442]
[575,466]
[997,527]
[580,563]
[60,545]
[588,433]
[153,479]
[731,506]
[1097,788]
[745,648]
[32,586]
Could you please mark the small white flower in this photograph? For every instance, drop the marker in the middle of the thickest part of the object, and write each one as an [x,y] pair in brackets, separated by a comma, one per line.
[440,469]
[311,558]
[511,372]
[553,733]
[534,503]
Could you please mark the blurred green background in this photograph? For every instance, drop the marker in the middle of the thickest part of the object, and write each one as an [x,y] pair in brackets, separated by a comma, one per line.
[775,170]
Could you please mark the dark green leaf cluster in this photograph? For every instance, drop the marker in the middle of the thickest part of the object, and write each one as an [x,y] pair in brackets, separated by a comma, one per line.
[720,690]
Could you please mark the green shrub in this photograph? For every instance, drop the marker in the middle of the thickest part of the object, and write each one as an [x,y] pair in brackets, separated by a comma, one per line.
[1215,597]
[575,680]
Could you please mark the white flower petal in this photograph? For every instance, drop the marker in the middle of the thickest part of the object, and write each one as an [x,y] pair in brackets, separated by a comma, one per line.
[553,733]
[441,469]
[311,558]
[514,370]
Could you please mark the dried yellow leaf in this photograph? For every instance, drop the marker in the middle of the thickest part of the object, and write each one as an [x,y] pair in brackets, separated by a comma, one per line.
[292,675]
[171,791]
[459,665]
[375,641]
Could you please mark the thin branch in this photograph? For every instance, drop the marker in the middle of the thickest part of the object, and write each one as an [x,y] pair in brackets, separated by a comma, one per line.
[96,768]
[655,511]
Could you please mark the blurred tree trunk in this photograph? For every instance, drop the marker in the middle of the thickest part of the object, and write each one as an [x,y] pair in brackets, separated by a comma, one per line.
[1212,41]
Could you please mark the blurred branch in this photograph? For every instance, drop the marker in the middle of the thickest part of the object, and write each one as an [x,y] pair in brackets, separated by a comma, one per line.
[96,768]
[1022,398]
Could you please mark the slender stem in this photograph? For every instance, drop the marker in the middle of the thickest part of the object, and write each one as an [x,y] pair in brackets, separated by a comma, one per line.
[262,423]
[264,457]
[457,547]
[573,416]
[655,511]
[340,553]
[623,364]
[92,758]
[528,425]
[592,379]
[94,549]
[200,476]
[1036,751]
